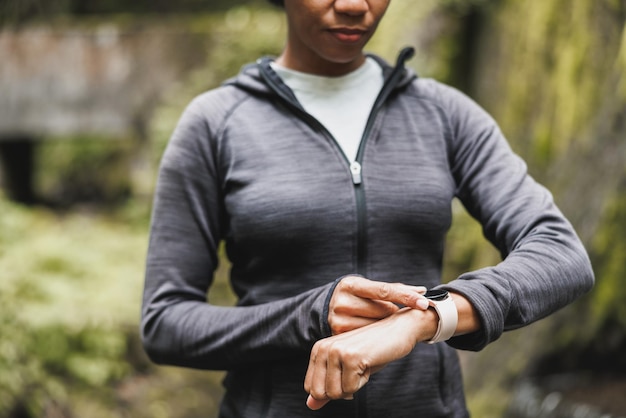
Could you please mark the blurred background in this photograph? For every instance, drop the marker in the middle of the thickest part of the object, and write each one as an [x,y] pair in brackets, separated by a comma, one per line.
[90,91]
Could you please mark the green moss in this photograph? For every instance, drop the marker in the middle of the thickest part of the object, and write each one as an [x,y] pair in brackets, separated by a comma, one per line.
[620,64]
[608,253]
[557,63]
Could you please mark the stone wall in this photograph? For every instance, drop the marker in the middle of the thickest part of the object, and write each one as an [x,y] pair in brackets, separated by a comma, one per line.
[104,78]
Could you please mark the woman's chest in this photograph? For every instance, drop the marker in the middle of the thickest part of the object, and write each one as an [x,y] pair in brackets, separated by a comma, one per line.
[296,182]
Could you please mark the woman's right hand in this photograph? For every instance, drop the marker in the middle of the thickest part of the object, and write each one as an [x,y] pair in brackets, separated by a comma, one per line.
[357,302]
[342,364]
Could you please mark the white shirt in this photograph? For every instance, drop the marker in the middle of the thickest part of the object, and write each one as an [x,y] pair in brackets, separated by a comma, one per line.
[342,104]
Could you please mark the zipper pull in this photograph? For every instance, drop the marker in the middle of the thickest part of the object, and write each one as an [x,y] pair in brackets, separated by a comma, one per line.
[355,169]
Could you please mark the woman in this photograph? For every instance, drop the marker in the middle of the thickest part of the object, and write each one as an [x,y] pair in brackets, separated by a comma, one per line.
[330,176]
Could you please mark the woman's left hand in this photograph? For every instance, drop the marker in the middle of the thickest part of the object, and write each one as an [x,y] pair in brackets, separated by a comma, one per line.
[357,302]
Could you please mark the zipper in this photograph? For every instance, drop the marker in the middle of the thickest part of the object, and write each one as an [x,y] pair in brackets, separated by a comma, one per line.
[355,167]
[361,237]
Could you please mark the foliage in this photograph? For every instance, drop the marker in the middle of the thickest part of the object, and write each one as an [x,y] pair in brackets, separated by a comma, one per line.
[608,251]
[69,310]
[64,306]
[232,47]
[553,69]
[84,170]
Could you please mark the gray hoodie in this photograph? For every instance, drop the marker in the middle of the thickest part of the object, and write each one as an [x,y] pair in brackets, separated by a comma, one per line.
[248,166]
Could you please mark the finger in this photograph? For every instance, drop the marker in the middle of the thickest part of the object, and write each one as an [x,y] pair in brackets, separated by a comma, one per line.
[411,296]
[315,380]
[344,316]
[377,290]
[344,323]
[354,305]
[334,374]
[310,371]
[316,404]
[354,378]
[352,382]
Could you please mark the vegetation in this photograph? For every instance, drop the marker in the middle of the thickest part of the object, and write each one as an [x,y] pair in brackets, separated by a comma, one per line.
[61,276]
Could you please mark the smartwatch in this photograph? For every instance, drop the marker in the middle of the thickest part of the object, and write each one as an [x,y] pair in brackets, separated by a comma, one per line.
[443,304]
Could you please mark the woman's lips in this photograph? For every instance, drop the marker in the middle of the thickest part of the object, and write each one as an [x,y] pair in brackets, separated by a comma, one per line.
[348,35]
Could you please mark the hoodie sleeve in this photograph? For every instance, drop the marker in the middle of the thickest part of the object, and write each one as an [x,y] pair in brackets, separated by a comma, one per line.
[178,326]
[545,265]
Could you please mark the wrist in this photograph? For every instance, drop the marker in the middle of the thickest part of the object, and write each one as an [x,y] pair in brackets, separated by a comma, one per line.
[423,323]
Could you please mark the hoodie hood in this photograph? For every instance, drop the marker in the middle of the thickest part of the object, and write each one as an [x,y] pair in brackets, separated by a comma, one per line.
[260,78]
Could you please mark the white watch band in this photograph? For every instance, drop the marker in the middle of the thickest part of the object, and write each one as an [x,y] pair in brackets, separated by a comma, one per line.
[448,318]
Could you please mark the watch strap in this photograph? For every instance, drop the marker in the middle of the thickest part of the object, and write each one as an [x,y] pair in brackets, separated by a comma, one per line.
[448,319]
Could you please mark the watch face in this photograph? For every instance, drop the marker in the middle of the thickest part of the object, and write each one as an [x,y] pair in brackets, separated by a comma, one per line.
[436,294]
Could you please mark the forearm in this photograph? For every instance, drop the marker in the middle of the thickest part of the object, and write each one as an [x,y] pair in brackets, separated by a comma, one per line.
[199,335]
[534,281]
[469,320]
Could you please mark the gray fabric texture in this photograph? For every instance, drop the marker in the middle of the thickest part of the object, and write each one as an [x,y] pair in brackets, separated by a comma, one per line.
[247,166]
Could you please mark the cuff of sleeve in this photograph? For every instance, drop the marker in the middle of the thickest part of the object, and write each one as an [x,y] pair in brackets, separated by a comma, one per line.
[324,325]
[489,312]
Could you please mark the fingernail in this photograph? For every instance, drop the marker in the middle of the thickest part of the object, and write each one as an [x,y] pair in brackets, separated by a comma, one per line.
[422,303]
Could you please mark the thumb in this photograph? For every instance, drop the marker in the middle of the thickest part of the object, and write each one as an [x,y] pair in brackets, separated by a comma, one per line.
[316,404]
